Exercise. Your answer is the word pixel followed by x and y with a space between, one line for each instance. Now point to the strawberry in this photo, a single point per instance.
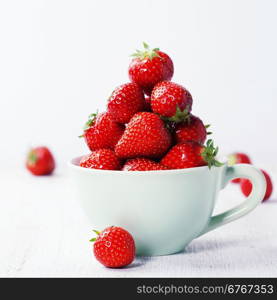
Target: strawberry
pixel 171 100
pixel 191 129
pixel 145 135
pixel 125 101
pixel 40 161
pixel 246 186
pixel 191 154
pixel 149 67
pixel 104 159
pixel 102 132
pixel 142 164
pixel 238 158
pixel 114 247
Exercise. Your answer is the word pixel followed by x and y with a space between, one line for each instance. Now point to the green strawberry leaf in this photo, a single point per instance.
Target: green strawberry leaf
pixel 90 121
pixel 209 154
pixel 146 52
pixel 94 239
pixel 32 157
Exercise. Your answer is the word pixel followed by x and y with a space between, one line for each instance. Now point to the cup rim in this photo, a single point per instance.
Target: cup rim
pixel 72 164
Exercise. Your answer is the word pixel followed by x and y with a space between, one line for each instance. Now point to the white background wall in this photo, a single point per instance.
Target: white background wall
pixel 61 59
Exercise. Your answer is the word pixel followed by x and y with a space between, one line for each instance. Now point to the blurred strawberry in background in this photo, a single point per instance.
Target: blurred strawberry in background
pixel 40 161
pixel 246 186
pixel 238 158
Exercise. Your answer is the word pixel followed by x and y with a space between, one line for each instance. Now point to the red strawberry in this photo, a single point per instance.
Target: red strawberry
pixel 114 247
pixel 125 101
pixel 238 158
pixel 40 161
pixel 171 100
pixel 149 67
pixel 104 159
pixel 142 164
pixel 191 129
pixel 102 132
pixel 145 135
pixel 246 186
pixel 191 154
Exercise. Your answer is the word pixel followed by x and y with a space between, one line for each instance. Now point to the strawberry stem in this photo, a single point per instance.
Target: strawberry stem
pixel 146 52
pixel 231 160
pixel 90 121
pixel 209 154
pixel 179 116
pixel 32 157
pixel 94 239
pixel 208 126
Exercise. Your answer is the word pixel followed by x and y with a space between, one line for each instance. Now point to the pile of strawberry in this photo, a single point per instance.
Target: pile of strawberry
pixel 148 124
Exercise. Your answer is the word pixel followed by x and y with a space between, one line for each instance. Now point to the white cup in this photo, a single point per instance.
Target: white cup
pixel 163 210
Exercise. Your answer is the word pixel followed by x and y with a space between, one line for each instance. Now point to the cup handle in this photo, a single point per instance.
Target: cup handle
pixel 256 196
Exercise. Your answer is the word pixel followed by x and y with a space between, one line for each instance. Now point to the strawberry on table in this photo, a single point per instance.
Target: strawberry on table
pixel 114 247
pixel 101 131
pixel 192 129
pixel 104 159
pixel 246 186
pixel 125 101
pixel 238 158
pixel 149 67
pixel 145 136
pixel 40 161
pixel 190 155
pixel 171 100
pixel 142 164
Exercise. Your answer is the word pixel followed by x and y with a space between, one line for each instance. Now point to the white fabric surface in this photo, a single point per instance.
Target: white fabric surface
pixel 45 233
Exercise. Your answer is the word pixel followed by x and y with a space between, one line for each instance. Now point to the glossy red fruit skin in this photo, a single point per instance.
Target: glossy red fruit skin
pixel 192 129
pixel 142 164
pixel 114 247
pixel 184 155
pixel 246 186
pixel 145 136
pixel 147 72
pixel 125 101
pixel 239 158
pixel 104 159
pixel 167 95
pixel 103 133
pixel 40 161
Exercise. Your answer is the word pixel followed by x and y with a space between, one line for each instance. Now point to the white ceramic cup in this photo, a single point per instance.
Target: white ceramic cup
pixel 163 210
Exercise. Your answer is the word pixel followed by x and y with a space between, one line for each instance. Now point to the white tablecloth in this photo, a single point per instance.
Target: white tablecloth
pixel 45 233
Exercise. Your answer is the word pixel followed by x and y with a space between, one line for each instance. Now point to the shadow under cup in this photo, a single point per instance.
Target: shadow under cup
pixel 163 210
